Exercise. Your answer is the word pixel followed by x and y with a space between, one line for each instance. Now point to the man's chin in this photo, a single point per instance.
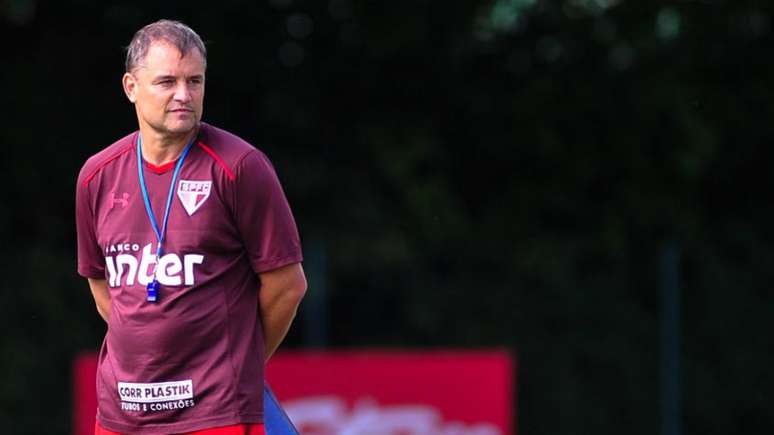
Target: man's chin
pixel 178 129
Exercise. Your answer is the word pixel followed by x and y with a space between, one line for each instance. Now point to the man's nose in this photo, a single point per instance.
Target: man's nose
pixel 182 93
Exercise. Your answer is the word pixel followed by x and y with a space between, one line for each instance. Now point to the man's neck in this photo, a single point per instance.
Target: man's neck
pixel 158 148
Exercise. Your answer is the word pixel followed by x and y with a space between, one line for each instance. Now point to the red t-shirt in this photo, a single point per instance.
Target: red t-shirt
pixel 193 359
pixel 238 429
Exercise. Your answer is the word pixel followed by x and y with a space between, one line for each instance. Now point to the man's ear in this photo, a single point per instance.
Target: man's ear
pixel 130 87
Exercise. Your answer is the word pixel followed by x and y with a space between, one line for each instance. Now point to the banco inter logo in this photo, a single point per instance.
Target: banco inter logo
pixel 125 268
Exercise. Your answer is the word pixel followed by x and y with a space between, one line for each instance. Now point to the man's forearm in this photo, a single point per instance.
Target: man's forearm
pixel 280 295
pixel 101 297
pixel 276 321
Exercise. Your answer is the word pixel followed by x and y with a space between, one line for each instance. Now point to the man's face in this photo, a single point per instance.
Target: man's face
pixel 167 90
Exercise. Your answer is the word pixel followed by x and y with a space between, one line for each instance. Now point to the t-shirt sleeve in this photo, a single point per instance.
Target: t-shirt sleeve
pixel 91 262
pixel 263 215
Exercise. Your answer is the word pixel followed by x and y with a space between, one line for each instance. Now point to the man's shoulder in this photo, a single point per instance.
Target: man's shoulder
pixel 228 145
pixel 225 147
pixel 106 156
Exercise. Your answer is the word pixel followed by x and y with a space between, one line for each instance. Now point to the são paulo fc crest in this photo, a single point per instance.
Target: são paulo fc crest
pixel 193 194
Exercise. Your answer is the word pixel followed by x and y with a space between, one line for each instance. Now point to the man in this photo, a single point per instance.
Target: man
pixel 191 253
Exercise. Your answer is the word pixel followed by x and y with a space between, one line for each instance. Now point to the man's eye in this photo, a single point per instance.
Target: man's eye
pixel 166 82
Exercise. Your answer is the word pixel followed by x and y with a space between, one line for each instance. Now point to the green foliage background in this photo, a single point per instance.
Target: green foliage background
pixel 481 174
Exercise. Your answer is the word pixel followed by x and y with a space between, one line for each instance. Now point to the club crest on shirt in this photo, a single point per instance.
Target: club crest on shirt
pixel 192 194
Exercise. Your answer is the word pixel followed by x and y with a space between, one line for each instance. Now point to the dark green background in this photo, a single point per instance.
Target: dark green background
pixel 479 174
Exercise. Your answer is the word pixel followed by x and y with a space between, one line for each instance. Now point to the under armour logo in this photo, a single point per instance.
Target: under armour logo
pixel 123 200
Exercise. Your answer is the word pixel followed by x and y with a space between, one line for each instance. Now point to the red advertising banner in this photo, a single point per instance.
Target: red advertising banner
pixel 84 394
pixel 373 392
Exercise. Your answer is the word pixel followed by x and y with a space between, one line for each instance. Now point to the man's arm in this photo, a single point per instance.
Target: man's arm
pixel 101 297
pixel 280 294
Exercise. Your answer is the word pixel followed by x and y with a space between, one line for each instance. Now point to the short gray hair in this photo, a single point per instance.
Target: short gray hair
pixel 173 32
